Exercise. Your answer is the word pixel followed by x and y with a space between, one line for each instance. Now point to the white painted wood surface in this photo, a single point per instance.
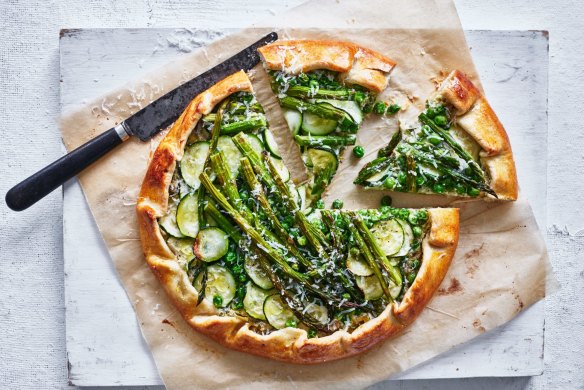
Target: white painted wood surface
pixel 104 344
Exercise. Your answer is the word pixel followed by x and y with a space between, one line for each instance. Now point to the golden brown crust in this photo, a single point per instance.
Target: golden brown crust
pixel 357 65
pixel 475 116
pixel 290 344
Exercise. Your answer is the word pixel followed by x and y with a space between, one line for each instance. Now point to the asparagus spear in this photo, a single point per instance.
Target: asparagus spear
pixel 259 193
pixel 241 142
pixel 458 149
pixel 213 145
pixel 282 189
pixel 223 222
pixel 318 93
pixel 374 247
pixel 244 125
pixel 229 185
pixel 368 257
pixel 325 140
pixel 388 150
pixel 345 121
pixel 411 173
pixel 371 168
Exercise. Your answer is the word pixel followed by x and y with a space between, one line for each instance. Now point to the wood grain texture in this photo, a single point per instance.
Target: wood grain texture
pixel 105 346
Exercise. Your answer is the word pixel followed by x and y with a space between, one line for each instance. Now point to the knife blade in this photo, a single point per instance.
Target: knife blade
pixel 144 125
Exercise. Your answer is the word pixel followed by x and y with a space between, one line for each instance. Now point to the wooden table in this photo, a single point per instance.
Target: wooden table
pixel 104 344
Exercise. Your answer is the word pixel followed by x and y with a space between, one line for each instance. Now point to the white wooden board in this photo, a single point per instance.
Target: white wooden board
pixel 104 343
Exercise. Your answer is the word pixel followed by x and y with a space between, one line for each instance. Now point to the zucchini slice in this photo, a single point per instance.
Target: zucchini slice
pixel 231 153
pixel 211 244
pixel 408 238
pixel 325 164
pixel 316 125
pixel 253 303
pixel 390 236
pixel 349 106
pixel 370 286
pixel 219 282
pixel 187 215
pixel 281 168
pixel 257 273
pixel 378 178
pixel 168 222
pixel 277 313
pixel 191 165
pixel 256 143
pixel 357 265
pixel 182 248
pixel 294 120
pixel 317 312
pixel 271 144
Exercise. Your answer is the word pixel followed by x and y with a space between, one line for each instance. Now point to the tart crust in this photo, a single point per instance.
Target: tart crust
pixel 290 344
pixel 357 65
pixel 475 116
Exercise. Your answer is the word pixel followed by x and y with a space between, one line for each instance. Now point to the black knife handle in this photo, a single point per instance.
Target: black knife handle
pixel 31 190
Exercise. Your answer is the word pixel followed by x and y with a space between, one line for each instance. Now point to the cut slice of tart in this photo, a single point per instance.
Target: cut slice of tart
pixel 222 229
pixel 325 89
pixel 457 148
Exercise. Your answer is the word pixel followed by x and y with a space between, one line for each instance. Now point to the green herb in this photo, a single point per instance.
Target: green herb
pixel 218 301
pixel 379 108
pixel 291 324
pixel 393 109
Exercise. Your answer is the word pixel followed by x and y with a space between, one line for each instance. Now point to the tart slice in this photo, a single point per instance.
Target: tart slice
pixel 325 89
pixel 457 148
pixel 222 228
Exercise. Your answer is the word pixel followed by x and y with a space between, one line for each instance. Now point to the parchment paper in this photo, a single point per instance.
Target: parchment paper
pixel 501 262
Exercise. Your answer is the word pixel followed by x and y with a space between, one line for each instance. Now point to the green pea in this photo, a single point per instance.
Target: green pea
pixel 337 204
pixel 243 195
pixel 291 323
pixel 394 109
pixel 237 269
pixel 411 277
pixel 386 200
pixel 401 178
pixel 230 257
pixel 242 278
pixel 403 214
pixel 434 139
pixel 430 113
pixel 474 191
pixel 359 97
pixel 413 218
pixel 358 151
pixel 346 296
pixel 420 180
pixel 285 225
pixel 218 301
pixel 460 189
pixel 379 108
pixel 238 305
pixel 301 241
pixel 319 204
pixel 415 264
pixel 295 267
pixel 417 231
pixel 422 216
pixel 440 120
pixel 313 84
pixel 367 108
pixel 438 188
pixel 311 333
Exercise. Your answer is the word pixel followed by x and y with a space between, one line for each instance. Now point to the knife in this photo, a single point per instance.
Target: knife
pixel 144 124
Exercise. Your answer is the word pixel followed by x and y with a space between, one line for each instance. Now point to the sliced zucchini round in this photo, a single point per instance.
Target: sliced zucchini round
pixel 191 165
pixel 378 177
pixel 168 222
pixel 219 282
pixel 408 238
pixel 370 286
pixel 257 273
pixel 253 303
pixel 324 162
pixel 316 125
pixel 211 244
pixel 277 313
pixel 255 143
pixel 317 312
pixel 294 120
pixel 389 235
pixel 187 215
pixel 271 144
pixel 182 248
pixel 349 106
pixel 394 289
pixel 231 153
pixel 281 168
pixel 357 265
